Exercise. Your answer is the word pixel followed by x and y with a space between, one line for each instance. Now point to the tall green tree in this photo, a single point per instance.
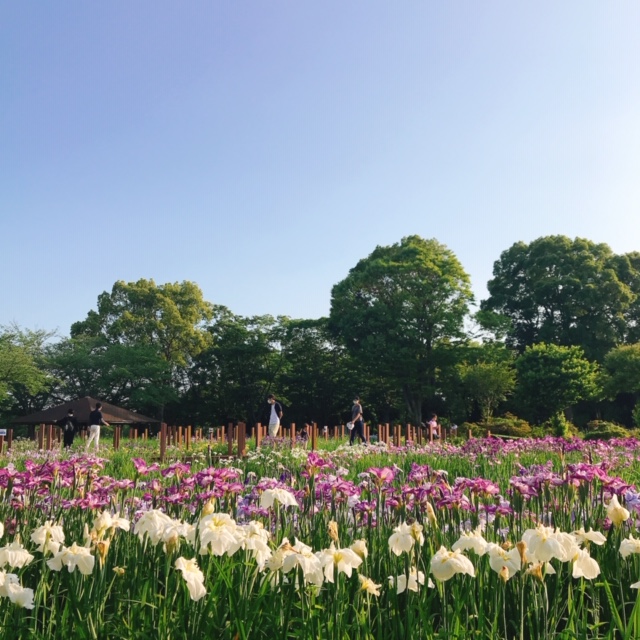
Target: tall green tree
pixel 552 378
pixel 622 370
pixel 487 384
pixel 171 319
pixel 396 307
pixel 318 377
pixel 562 291
pixel 232 377
pixel 23 380
pixel 128 375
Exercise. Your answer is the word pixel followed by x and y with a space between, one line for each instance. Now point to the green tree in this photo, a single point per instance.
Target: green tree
pixel 487 384
pixel 128 375
pixel 622 370
pixel 22 376
pixel 232 377
pixel 171 319
pixel 562 291
pixel 396 307
pixel 552 378
pixel 318 377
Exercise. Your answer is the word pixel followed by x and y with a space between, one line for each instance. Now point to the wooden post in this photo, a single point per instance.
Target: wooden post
pixel 367 432
pixel 314 436
pixel 258 435
pixel 41 437
pixel 293 433
pixel 145 434
pixel 342 431
pixel 1 445
pixel 188 437
pixel 48 434
pixel 396 435
pixel 163 441
pixel 9 438
pixel 115 438
pixel 242 434
pixel 230 438
pixel 335 432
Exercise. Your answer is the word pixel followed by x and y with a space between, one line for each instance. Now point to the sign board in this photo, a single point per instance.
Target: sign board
pixel 3 432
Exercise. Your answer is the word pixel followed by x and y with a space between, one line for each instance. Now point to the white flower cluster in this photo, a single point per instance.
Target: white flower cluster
pixel 536 549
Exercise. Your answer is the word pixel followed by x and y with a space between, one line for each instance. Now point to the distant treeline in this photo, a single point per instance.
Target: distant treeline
pixel 558 337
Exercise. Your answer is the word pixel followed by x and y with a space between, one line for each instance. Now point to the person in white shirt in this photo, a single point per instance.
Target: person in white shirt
pixel 275 416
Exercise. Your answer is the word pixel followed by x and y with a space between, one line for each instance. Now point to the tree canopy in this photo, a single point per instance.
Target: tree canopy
pixel 396 307
pixel 563 291
pixel 553 377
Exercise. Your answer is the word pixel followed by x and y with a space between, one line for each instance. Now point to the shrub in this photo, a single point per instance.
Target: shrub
pixel 508 425
pixel 560 427
pixel 603 430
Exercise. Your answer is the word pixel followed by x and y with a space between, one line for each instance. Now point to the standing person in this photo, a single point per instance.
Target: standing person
pixel 357 420
pixel 275 416
pixel 69 426
pixel 95 422
pixel 434 427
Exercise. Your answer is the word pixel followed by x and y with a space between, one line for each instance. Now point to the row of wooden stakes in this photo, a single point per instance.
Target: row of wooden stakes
pixel 235 435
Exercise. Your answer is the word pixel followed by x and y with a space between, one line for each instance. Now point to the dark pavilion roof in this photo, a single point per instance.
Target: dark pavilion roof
pixel 81 409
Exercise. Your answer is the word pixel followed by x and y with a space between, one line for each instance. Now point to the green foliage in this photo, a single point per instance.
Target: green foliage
pixel 507 425
pixel 551 378
pixel 396 307
pixel 636 416
pixel 563 291
pixel 130 375
pixel 487 384
pixel 602 430
pixel 20 373
pixel 559 426
pixel 168 317
pixel 622 370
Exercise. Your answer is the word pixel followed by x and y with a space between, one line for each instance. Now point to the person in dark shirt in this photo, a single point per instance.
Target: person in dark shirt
pixel 357 421
pixel 95 422
pixel 69 426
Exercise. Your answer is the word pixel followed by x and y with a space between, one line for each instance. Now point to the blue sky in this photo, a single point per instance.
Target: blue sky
pixel 260 149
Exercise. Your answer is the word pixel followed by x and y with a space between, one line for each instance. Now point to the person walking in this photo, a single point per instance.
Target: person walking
pixel 275 416
pixel 357 421
pixel 95 422
pixel 69 426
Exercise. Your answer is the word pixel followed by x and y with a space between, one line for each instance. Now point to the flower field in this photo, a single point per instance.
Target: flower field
pixel 481 539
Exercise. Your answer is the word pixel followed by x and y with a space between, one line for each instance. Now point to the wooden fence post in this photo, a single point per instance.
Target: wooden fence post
pixel 258 435
pixel 163 441
pixel 293 433
pixel 242 434
pixel 314 436
pixel 41 437
pixel 230 438
pixel 9 438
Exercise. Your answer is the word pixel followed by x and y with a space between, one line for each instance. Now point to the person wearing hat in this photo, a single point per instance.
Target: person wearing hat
pixel 357 421
pixel 275 416
pixel 69 426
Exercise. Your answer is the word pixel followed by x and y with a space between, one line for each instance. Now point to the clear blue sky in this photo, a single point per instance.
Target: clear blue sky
pixel 261 149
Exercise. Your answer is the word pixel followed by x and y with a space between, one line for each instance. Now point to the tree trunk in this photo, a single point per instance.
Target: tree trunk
pixel 414 405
